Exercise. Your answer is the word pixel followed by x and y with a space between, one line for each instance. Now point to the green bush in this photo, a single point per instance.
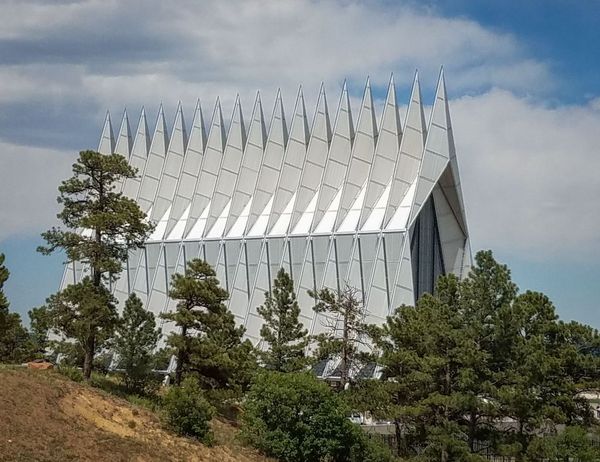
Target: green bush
pixel 71 372
pixel 369 449
pixel 187 412
pixel 295 417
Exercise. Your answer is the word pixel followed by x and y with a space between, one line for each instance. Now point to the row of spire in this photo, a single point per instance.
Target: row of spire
pixel 250 181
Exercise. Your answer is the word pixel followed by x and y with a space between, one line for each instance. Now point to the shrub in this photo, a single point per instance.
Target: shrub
pixel 369 449
pixel 71 372
pixel 295 417
pixel 187 412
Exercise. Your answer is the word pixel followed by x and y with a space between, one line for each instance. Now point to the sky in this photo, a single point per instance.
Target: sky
pixel 523 80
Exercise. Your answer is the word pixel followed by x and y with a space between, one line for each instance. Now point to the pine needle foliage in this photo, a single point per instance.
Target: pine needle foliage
pixel 208 343
pixel 282 332
pixel 100 226
pixel 135 340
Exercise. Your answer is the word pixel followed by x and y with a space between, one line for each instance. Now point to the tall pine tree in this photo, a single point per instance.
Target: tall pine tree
pixel 282 331
pixel 101 226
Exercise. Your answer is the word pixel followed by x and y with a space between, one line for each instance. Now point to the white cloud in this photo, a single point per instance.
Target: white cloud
pixel 530 174
pixel 529 171
pixel 29 178
pixel 129 51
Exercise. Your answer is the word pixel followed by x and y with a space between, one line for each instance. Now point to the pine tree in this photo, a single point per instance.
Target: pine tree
pixel 39 329
pixel 101 226
pixel 13 336
pixel 347 334
pixel 282 331
pixel 427 357
pixel 135 340
pixel 86 314
pixel 475 353
pixel 208 344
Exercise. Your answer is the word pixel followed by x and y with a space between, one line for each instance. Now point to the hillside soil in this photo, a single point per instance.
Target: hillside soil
pixel 46 417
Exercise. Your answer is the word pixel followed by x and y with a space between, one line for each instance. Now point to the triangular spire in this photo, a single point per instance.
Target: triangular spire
pixel 316 157
pixel 124 142
pixel 236 137
pixel 197 139
pixel 450 179
pixel 206 181
pixel 294 156
pixel 321 125
pixel 107 139
pixel 155 163
pixel 363 150
pixel 252 160
pixel 409 158
pixel 271 165
pixel 141 143
pixel 161 131
pixel 192 163
pixel 278 131
pixel 436 155
pixel 344 125
pixel 230 168
pixel 217 136
pixel 386 153
pixel 179 125
pixel 299 129
pixel 257 134
pixel 139 155
pixel 338 157
pixel 171 172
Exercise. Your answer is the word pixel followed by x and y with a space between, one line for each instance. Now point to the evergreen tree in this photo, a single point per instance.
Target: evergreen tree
pixel 427 359
pixel 475 353
pixel 282 331
pixel 135 340
pixel 13 336
pixel 540 385
pixel 101 226
pixel 39 330
pixel 86 314
pixel 347 334
pixel 208 342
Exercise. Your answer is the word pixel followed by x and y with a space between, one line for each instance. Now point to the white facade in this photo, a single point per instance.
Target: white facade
pixel 335 201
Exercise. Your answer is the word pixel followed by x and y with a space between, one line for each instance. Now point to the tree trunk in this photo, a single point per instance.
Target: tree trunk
pixel 472 430
pixel 400 445
pixel 444 455
pixel 521 456
pixel 88 360
pixel 181 357
pixel 344 368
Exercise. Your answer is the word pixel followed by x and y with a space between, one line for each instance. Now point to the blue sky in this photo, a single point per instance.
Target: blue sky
pixel 523 77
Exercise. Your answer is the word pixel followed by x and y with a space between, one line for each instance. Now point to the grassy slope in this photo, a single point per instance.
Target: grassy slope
pixel 45 417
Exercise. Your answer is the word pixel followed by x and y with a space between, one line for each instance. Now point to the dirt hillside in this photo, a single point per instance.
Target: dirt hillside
pixel 44 417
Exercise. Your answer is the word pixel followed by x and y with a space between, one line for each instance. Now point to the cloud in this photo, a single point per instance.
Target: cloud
pixel 29 178
pixel 528 170
pixel 111 51
pixel 530 174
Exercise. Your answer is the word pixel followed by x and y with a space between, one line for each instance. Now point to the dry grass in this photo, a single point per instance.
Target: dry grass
pixel 44 417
